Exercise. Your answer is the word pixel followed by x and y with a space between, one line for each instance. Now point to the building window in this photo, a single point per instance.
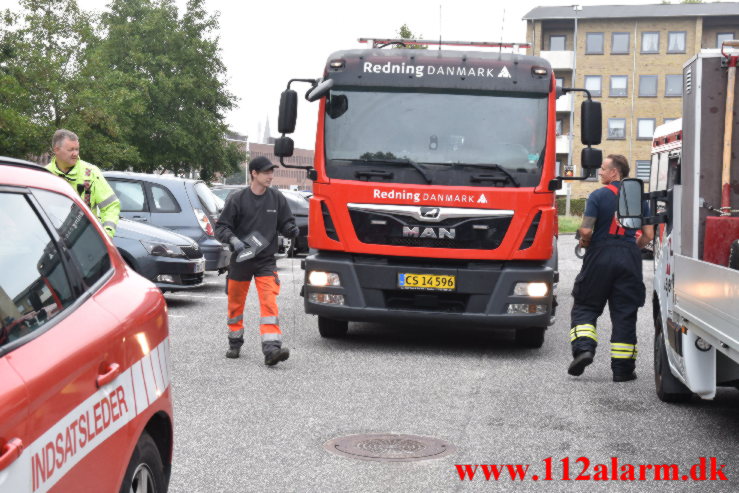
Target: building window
pixel 721 37
pixel 650 42
pixel 558 129
pixel 676 42
pixel 645 128
pixel 560 81
pixel 673 86
pixel 592 84
pixel 619 85
pixel 668 120
pixel 594 44
pixel 557 42
pixel 616 128
pixel 647 86
pixel 642 169
pixel 620 43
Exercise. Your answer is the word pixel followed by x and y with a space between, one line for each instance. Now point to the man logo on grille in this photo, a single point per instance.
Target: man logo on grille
pixel 430 212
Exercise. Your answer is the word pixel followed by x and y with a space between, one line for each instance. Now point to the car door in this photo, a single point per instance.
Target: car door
pixel 13 419
pixel 73 349
pixel 166 211
pixel 133 198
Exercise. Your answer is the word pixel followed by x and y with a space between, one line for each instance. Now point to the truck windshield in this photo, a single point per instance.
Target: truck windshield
pixel 457 139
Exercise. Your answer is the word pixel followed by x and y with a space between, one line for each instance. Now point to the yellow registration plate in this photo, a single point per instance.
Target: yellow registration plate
pixel 427 281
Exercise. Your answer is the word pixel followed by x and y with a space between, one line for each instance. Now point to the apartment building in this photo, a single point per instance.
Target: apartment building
pixel 630 58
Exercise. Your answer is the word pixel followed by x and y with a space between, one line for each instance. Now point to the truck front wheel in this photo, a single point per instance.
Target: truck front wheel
pixel 332 329
pixel 531 337
pixel 669 388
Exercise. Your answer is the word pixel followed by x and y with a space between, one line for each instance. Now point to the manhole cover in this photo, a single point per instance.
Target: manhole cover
pixel 389 447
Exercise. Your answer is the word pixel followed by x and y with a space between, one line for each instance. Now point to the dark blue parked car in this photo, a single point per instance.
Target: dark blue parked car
pixel 169 260
pixel 187 207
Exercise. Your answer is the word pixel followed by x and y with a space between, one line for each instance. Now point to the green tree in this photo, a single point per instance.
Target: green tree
pixel 174 64
pixel 43 49
pixel 405 33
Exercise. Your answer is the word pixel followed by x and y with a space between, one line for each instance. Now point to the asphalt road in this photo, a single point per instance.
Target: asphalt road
pixel 243 427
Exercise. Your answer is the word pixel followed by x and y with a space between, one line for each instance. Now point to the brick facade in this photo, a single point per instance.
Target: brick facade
pixel 286 177
pixel 628 109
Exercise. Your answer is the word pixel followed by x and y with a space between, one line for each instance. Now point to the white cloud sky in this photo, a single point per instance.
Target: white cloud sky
pixel 266 43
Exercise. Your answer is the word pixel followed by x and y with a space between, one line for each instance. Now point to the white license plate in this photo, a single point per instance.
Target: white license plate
pixel 200 266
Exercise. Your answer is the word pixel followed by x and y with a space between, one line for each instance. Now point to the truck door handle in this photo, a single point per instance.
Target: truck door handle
pixel 110 373
pixel 10 451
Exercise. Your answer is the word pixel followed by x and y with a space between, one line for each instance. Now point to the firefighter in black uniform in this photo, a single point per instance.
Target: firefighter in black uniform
pixel 249 222
pixel 611 272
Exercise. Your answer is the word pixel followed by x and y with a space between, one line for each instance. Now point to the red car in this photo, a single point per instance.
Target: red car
pixel 85 401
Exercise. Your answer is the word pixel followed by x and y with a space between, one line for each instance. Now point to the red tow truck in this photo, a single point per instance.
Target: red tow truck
pixel 434 188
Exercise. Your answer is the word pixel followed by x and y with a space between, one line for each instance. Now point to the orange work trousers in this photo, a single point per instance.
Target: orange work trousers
pixel 268 287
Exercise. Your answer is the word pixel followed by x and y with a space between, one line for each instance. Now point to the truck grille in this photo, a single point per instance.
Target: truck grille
pixel 386 228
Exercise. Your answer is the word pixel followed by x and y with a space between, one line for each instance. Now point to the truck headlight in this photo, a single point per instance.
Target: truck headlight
pixel 162 249
pixel 320 278
pixel 533 289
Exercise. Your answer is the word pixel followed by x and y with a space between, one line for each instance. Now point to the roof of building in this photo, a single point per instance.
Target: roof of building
pixel 635 11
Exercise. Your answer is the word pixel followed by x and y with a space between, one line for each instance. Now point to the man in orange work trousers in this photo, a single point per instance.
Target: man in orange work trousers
pixel 249 223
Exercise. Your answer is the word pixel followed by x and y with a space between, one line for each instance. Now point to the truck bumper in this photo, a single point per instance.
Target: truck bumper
pixel 484 295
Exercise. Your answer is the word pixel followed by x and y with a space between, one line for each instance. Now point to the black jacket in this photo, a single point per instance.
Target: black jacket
pixel 246 212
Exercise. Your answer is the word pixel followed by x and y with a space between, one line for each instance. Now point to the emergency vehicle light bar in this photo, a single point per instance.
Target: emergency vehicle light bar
pixel 484 44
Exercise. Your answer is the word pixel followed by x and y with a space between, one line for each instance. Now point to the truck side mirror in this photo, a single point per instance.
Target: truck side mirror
pixel 288 112
pixel 591 118
pixel 284 147
pixel 630 211
pixel 591 158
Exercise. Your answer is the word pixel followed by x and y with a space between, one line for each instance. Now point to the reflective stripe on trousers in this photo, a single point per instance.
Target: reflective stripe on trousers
pixel 583 330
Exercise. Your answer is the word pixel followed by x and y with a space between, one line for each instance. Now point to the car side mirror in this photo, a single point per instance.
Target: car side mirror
pixel 630 203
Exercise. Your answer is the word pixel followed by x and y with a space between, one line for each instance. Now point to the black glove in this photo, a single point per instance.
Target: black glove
pixel 237 245
pixel 292 231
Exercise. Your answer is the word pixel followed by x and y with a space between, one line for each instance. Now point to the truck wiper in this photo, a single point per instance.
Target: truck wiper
pixel 414 164
pixel 491 166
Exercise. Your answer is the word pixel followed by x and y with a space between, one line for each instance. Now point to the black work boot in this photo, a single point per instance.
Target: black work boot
pixel 274 352
pixel 235 341
pixel 276 355
pixel 624 377
pixel 579 362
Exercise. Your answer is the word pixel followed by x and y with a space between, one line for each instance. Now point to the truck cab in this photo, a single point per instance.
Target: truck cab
pixel 434 182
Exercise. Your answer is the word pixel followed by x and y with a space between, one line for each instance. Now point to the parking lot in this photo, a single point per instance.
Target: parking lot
pixel 240 426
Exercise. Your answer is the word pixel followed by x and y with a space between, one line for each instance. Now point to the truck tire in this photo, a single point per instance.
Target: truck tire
pixel 145 471
pixel 332 329
pixel 669 388
pixel 531 337
pixel 734 255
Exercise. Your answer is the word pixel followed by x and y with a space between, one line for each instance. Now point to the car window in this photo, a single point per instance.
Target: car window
pixel 131 195
pixel 78 234
pixel 223 193
pixel 164 201
pixel 34 286
pixel 298 204
pixel 211 203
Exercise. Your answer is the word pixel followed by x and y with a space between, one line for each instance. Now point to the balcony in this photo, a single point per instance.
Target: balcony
pixel 560 60
pixel 563 144
pixel 564 103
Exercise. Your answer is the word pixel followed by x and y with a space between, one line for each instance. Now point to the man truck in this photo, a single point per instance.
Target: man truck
pixel 434 186
pixel 695 292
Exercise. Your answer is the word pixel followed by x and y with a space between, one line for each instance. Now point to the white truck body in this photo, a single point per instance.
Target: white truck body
pixel 696 303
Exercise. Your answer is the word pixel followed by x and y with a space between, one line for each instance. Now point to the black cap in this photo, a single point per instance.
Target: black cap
pixel 261 163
